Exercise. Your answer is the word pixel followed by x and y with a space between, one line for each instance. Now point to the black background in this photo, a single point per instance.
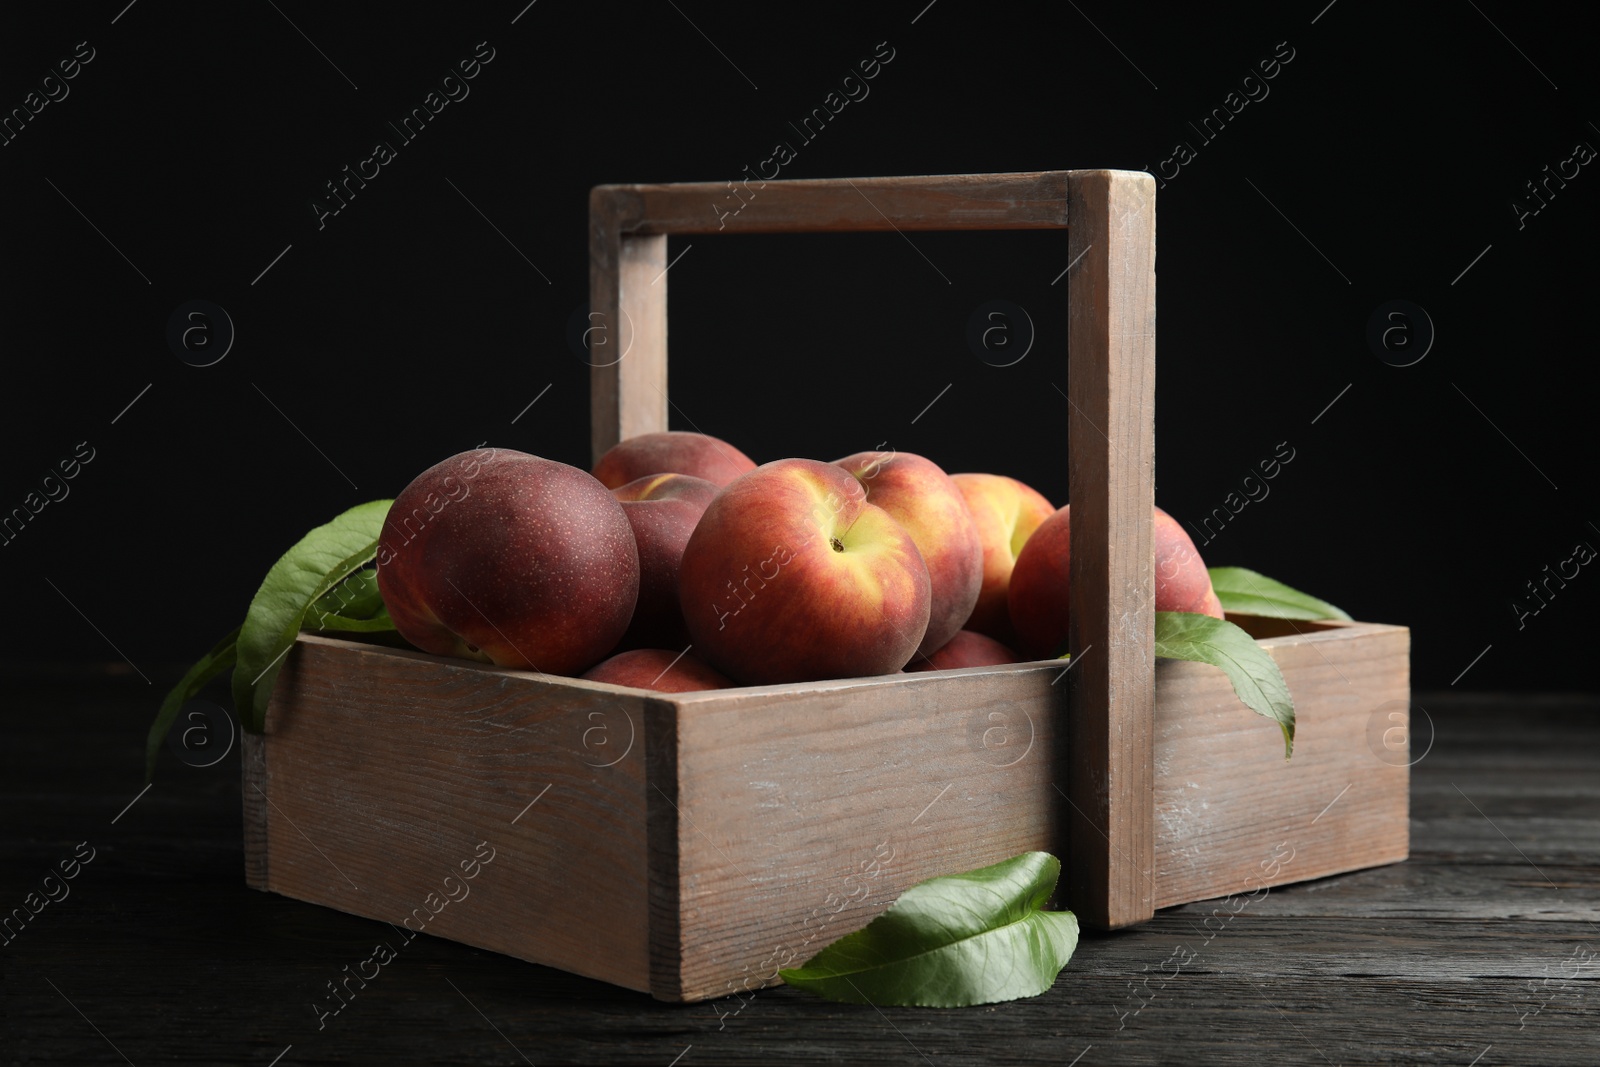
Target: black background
pixel 415 324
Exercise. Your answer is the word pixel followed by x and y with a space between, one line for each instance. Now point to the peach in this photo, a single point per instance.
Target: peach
pixel 1006 513
pixel 1182 581
pixel 673 452
pixel 793 576
pixel 966 649
pixel 923 499
pixel 658 669
pixel 663 510
pixel 500 556
pixel 1039 598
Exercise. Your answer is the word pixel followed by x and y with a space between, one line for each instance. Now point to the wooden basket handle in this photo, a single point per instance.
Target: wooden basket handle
pixel 1110 434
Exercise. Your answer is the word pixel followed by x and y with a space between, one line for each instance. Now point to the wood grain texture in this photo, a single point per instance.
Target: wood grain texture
pixel 385 769
pixel 797 813
pixel 1232 815
pixel 1260 626
pixel 1110 452
pixel 664 850
pixel 1436 884
pixel 1029 201
pixel 627 342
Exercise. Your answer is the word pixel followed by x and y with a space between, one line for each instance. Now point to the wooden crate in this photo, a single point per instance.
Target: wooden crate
pixel 690 845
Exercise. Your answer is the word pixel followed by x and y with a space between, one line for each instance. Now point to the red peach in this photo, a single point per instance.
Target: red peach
pixel 1039 599
pixel 660 670
pixel 923 499
pixel 663 510
pixel 1182 581
pixel 501 556
pixel 966 649
pixel 792 576
pixel 673 452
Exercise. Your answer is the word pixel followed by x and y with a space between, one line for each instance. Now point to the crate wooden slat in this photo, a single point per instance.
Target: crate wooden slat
pixel 1023 201
pixel 1110 463
pixel 381 769
pixel 784 817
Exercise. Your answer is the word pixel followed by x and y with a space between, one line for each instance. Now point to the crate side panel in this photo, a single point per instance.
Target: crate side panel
pixel 489 807
pixel 1233 816
pixel 802 816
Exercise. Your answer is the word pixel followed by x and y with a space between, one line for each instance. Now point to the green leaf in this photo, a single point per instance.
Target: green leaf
pixel 337 623
pixel 974 938
pixel 356 597
pixel 354 605
pixel 213 663
pixel 1256 678
pixel 1244 592
pixel 319 561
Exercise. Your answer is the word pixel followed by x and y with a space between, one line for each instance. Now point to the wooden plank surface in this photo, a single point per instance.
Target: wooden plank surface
pixel 1231 814
pixel 1465 951
pixel 383 773
pixel 792 815
pixel 1028 200
pixel 1110 453
pixel 627 329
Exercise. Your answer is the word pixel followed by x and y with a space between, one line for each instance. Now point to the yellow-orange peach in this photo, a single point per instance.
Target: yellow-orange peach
pixel 1006 512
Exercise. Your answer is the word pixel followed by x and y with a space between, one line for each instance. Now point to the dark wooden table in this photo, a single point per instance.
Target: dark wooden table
pixel 1483 949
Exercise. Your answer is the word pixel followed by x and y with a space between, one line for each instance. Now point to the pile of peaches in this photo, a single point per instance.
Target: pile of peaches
pixel 679 565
